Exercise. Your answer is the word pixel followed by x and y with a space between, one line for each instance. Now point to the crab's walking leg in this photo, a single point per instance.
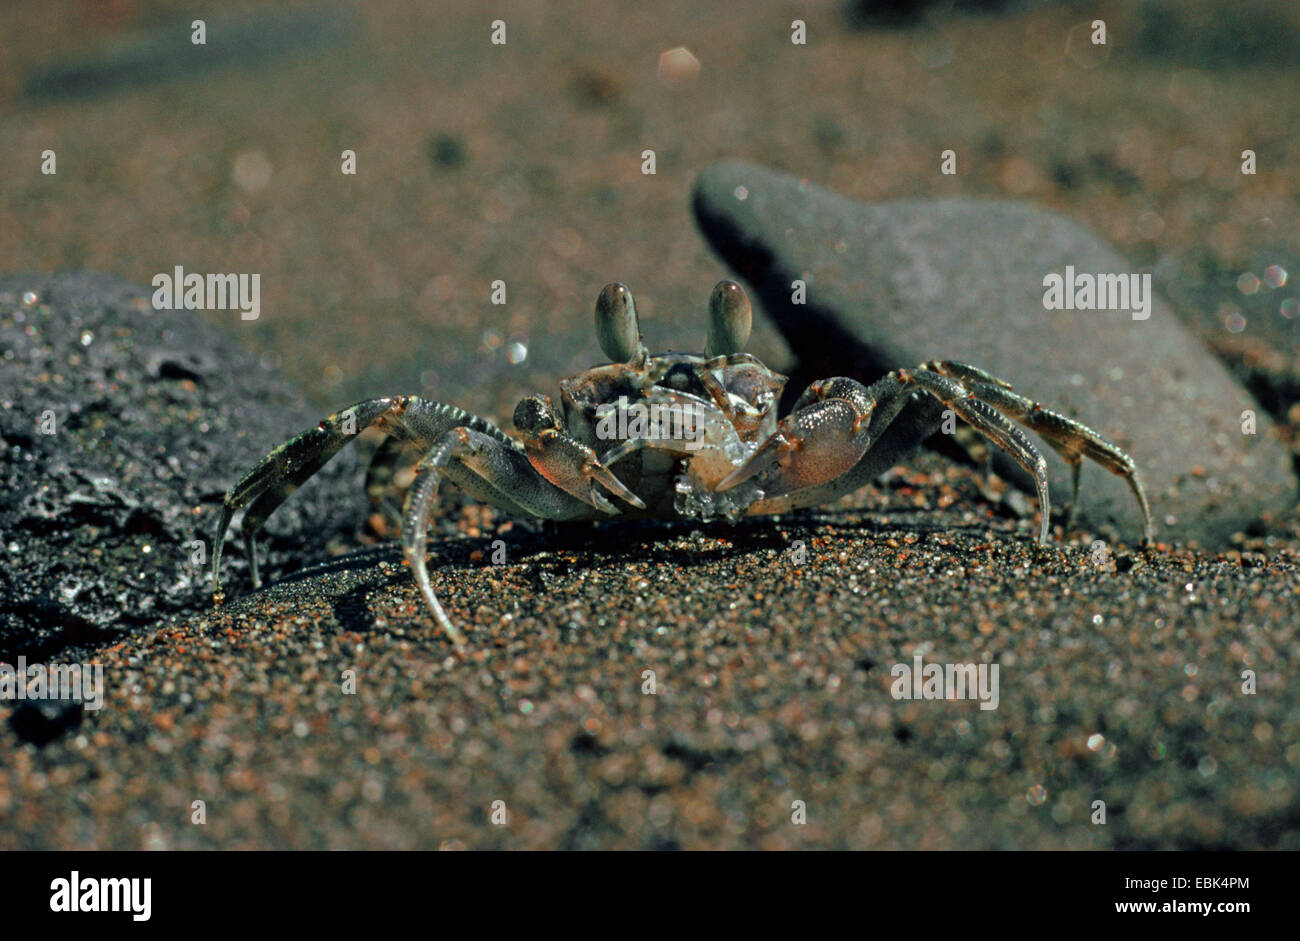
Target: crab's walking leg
pixel 990 406
pixel 278 474
pixel 476 462
pixel 472 452
pixel 282 471
pixel 415 537
pixel 1071 439
pixel 819 456
pixel 995 426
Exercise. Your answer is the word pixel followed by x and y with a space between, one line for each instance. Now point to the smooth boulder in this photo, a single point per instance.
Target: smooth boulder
pixel 891 285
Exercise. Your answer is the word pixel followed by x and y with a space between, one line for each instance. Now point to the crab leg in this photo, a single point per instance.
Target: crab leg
pixel 995 426
pixel 470 451
pixel 498 469
pixel 983 401
pixel 1072 440
pixel 287 467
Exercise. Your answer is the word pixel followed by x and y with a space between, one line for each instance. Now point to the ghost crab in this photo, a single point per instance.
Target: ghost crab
pixel 730 457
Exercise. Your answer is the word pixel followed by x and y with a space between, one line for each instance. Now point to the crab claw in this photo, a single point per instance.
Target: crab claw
pixel 812 446
pixel 574 468
pixel 768 453
pixel 569 464
pixel 599 472
pixel 616 324
pixel 730 320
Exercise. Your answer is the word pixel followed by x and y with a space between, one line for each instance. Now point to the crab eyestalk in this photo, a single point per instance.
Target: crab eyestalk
pixel 616 324
pixel 730 319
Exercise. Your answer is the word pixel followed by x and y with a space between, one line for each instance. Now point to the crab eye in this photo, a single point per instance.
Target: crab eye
pixel 730 320
pixel 534 414
pixel 616 323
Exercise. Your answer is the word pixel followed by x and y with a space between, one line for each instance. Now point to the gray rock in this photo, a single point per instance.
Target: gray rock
pixel 892 285
pixel 1217 34
pixel 154 415
pixel 166 52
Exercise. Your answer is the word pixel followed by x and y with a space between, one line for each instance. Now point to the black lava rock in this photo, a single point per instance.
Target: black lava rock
pixel 121 428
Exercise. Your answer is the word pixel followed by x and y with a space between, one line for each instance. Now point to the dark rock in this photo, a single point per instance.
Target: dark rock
pixel 1219 34
pixel 154 415
pixel 166 52
pixel 446 152
pixel 42 721
pixel 865 14
pixel 892 285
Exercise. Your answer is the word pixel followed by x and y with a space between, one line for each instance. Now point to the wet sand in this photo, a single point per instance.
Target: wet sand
pixel 1120 680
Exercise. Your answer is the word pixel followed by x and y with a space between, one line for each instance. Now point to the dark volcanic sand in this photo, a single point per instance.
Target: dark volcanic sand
pixel 1118 682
